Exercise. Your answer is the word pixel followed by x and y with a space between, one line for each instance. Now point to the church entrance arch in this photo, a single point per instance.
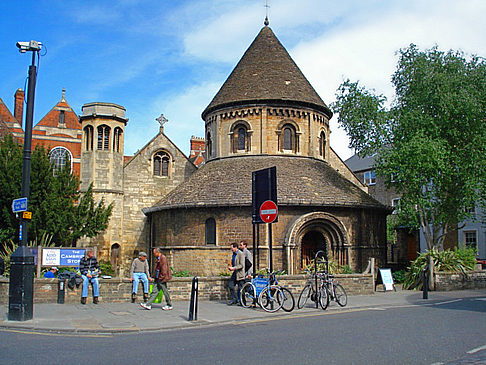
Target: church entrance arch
pixel 313 232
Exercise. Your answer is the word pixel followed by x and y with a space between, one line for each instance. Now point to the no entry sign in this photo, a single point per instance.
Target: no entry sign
pixel 268 211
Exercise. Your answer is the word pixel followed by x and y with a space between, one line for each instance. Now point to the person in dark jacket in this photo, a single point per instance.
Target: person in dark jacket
pixel 162 276
pixel 89 268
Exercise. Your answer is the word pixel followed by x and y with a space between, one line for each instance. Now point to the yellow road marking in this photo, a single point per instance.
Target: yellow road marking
pixel 53 334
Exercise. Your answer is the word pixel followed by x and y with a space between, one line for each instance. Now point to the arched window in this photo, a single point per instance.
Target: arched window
pixel 59 157
pixel 289 141
pixel 161 164
pixel 116 139
pixel 210 231
pixel 103 137
pixel 88 138
pixel 240 137
pixel 322 145
pixel 209 144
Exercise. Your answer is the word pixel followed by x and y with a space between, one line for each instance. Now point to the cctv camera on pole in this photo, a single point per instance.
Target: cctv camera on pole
pixel 21 286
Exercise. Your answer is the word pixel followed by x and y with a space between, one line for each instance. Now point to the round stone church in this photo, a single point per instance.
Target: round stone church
pixel 265 115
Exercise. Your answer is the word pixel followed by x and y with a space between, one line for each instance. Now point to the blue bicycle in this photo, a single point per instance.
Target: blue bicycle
pixel 267 292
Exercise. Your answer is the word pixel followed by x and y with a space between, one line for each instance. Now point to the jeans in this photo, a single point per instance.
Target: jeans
pixel 96 286
pixel 137 276
pixel 155 291
pixel 235 294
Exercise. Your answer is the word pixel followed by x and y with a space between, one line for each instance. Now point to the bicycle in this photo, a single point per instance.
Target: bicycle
pixel 335 291
pixel 309 291
pixel 269 295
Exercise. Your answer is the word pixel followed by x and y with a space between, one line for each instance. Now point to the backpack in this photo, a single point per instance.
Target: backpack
pixel 248 264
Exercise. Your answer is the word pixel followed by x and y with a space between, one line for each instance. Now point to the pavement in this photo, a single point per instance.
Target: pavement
pixel 113 318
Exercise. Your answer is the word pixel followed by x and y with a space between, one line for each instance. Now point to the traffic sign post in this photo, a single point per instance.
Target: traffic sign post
pixel 268 211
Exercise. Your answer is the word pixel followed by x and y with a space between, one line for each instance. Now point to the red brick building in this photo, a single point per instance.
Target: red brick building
pixel 59 131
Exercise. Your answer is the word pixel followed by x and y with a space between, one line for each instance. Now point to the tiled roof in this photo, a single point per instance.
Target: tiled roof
pixel 356 163
pixel 266 73
pixel 301 181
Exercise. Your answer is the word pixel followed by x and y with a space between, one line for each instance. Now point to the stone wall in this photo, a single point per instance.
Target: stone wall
pixel 210 288
pixel 446 281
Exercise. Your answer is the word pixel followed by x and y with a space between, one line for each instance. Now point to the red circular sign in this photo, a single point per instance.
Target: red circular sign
pixel 268 211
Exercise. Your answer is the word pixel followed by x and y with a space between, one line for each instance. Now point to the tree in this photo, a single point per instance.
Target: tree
pixel 59 209
pixel 430 143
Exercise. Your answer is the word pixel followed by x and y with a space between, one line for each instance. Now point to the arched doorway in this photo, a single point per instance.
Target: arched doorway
pixel 313 232
pixel 311 242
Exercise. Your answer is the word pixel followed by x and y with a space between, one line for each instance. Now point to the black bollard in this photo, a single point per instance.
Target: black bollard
pixel 425 294
pixel 193 303
pixel 61 291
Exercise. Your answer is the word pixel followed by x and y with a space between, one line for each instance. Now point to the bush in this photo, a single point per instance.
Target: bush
pixel 106 268
pixel 334 267
pixel 180 274
pixel 9 247
pixel 458 260
pixel 399 276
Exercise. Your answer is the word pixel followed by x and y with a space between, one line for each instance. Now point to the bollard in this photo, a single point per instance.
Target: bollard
pixel 193 303
pixel 425 294
pixel 61 286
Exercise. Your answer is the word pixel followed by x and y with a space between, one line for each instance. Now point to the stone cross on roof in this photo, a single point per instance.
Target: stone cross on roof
pixel 162 120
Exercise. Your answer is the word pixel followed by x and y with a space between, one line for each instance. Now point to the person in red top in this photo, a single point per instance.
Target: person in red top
pixel 162 276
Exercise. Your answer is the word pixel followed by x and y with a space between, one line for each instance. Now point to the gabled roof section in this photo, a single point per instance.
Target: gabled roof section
pixel 266 74
pixel 53 118
pixel 356 163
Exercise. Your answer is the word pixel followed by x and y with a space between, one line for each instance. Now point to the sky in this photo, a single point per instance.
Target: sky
pixel 166 57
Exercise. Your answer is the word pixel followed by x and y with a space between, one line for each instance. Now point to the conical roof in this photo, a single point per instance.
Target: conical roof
pixel 267 74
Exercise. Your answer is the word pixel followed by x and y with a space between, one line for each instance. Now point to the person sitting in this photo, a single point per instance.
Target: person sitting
pixel 51 273
pixel 140 271
pixel 89 268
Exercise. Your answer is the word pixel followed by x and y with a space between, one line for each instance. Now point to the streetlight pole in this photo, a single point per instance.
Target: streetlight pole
pixel 21 284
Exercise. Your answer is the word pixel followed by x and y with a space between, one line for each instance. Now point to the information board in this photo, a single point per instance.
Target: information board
pixel 62 256
pixel 387 279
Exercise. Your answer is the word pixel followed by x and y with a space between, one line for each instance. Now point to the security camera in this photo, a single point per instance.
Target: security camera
pixel 29 46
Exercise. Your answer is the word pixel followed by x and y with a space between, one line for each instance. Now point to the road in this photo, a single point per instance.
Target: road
pixel 451 332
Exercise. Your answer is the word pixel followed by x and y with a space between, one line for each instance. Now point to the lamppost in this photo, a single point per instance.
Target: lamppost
pixel 21 285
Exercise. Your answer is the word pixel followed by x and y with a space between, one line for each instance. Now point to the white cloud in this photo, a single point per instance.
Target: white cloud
pixel 183 110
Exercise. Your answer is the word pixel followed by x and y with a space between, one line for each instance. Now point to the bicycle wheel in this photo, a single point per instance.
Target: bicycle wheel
pixel 268 298
pixel 247 295
pixel 304 295
pixel 323 297
pixel 341 296
pixel 288 301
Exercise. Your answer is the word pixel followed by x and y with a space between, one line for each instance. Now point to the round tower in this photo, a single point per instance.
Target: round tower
pixel 267 106
pixel 103 126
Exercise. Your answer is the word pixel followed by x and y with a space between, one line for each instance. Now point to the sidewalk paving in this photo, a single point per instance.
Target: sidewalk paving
pixel 128 317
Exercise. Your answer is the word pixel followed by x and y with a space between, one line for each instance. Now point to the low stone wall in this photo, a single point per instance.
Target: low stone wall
pixel 210 288
pixel 447 281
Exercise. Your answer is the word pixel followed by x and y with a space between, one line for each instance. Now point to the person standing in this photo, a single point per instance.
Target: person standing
pixel 237 268
pixel 89 268
pixel 162 276
pixel 140 271
pixel 248 256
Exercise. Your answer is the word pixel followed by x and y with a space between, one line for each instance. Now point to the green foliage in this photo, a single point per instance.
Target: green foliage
pixel 458 260
pixel 9 247
pixel 180 274
pixel 106 268
pixel 334 267
pixel 399 276
pixel 431 139
pixel 58 208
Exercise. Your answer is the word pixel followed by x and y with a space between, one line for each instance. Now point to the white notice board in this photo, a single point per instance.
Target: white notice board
pixel 387 279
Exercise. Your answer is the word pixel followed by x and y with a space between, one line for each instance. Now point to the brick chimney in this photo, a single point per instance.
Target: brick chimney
pixel 19 105
pixel 198 146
